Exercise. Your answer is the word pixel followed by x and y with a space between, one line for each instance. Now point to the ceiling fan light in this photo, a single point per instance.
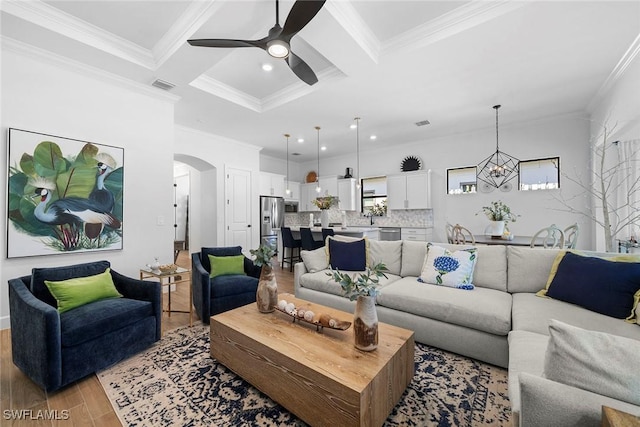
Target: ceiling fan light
pixel 278 48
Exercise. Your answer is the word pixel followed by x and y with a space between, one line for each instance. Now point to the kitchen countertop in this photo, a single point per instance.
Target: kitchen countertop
pixel 337 229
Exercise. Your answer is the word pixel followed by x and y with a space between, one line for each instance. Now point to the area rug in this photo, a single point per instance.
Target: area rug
pixel 177 383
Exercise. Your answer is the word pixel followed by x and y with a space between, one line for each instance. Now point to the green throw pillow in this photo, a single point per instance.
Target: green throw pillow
pixel 79 291
pixel 222 265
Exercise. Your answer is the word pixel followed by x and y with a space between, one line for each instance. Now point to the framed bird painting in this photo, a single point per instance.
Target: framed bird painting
pixel 64 195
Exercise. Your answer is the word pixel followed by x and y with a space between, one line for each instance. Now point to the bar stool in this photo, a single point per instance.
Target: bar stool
pixel 326 232
pixel 308 242
pixel 288 242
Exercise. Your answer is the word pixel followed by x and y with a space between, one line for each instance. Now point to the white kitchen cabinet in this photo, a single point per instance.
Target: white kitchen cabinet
pixel 294 188
pixel 347 194
pixel 409 190
pixel 307 195
pixel 416 234
pixel 271 184
pixel 329 185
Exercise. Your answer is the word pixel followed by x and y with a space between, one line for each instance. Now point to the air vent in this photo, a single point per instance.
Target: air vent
pixel 423 123
pixel 161 84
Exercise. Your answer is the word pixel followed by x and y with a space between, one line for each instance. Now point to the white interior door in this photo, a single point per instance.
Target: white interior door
pixel 238 208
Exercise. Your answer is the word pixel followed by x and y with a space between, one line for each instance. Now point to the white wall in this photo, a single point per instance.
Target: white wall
pixel 567 137
pixel 46 96
pixel 275 165
pixel 617 107
pixel 216 151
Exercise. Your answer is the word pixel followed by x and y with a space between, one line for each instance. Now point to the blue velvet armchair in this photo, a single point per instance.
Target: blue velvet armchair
pixel 222 293
pixel 55 349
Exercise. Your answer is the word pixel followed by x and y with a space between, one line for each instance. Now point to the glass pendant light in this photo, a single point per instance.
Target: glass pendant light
pixel 287 190
pixel 357 119
pixel 318 188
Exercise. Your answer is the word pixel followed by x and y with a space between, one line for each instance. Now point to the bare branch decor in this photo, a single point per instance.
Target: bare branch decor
pixel 604 184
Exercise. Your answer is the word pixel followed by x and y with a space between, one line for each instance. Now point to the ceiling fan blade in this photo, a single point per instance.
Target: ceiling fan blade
pixel 301 69
pixel 300 15
pixel 226 43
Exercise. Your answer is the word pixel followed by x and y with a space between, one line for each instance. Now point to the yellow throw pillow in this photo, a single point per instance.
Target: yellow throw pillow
pixel 79 291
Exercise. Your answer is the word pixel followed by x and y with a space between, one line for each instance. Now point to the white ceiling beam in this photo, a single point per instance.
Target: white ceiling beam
pixel 472 14
pixel 39 13
pixel 196 15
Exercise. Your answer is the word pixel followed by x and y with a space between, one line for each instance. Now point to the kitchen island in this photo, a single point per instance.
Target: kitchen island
pixel 366 231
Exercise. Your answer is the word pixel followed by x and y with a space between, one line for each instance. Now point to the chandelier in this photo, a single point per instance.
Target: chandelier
pixel 499 168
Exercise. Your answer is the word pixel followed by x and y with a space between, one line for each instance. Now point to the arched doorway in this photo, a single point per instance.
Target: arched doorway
pixel 197 179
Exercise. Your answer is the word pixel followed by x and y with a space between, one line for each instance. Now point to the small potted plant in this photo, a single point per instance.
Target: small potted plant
pixel 363 290
pixel 267 292
pixel 499 214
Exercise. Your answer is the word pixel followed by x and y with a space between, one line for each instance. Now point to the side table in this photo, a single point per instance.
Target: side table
pixel 178 277
pixel 615 418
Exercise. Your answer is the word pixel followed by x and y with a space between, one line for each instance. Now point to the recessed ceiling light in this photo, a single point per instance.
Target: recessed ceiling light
pixel 267 67
pixel 372 137
pixel 323 148
pixel 300 140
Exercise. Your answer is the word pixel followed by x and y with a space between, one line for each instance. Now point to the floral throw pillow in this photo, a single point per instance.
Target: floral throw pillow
pixel 446 268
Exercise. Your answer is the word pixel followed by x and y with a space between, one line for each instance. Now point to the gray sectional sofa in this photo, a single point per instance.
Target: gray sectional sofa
pixel 501 321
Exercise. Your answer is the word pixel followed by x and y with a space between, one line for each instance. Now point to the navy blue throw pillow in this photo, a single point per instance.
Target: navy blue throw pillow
pixel 348 256
pixel 606 287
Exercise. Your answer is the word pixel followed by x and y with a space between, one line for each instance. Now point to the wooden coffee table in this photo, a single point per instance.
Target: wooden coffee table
pixel 319 376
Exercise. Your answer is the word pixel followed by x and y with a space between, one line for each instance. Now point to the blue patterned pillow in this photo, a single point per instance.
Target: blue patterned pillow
pixel 446 268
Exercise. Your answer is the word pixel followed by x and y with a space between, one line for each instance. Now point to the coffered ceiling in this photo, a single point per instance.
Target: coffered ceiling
pixel 393 62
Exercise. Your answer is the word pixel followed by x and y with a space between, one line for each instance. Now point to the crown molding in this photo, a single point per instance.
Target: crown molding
pixel 188 23
pixel 616 74
pixel 45 16
pixel 460 19
pixel 59 61
pixel 224 91
pixel 345 14
pixel 300 89
pixel 260 105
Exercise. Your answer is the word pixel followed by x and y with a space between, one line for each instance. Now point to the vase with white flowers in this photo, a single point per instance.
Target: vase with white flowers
pixel 324 203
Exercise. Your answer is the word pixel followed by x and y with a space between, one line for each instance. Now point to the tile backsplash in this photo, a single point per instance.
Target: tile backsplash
pixel 394 218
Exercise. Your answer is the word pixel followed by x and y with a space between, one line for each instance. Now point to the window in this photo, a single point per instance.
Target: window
pixel 373 192
pixel 461 180
pixel 540 174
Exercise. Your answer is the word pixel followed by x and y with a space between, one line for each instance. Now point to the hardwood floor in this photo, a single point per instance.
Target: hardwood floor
pixel 84 402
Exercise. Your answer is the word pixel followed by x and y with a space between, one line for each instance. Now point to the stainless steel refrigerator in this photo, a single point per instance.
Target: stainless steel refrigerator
pixel 271 216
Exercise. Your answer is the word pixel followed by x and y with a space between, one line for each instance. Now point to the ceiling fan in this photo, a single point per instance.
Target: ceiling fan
pixel 278 42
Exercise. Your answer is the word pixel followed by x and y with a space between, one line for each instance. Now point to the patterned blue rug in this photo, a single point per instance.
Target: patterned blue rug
pixel 177 383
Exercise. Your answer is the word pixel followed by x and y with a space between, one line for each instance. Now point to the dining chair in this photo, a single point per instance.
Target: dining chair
pixel 449 232
pixel 288 242
pixel 308 242
pixel 461 235
pixel 571 236
pixel 552 237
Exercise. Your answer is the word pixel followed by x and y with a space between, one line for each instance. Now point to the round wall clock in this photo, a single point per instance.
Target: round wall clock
pixel 411 163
